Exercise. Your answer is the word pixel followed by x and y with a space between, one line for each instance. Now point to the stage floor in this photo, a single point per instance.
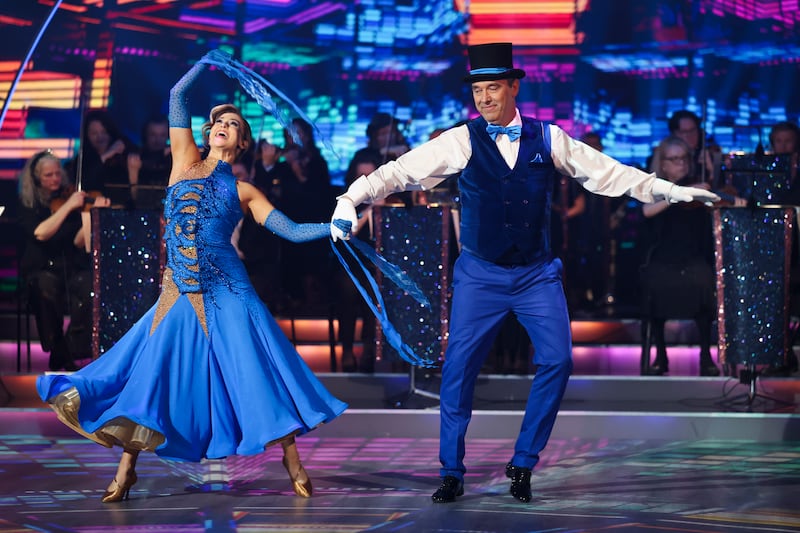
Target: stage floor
pixel 52 480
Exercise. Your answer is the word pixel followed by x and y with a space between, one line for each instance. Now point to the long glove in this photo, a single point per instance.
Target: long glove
pixel 283 226
pixel 677 193
pixel 358 193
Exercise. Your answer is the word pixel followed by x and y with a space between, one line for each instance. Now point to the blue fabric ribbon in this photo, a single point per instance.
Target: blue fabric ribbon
pixel 513 132
pixel 378 307
pixel 259 88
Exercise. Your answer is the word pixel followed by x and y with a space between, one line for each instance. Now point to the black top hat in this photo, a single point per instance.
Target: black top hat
pixel 492 61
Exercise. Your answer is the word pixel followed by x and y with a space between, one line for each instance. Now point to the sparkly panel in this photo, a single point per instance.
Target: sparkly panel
pixel 764 181
pixel 416 239
pixel 127 256
pixel 753 251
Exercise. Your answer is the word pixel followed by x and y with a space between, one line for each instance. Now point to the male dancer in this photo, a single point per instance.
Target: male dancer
pixel 507 165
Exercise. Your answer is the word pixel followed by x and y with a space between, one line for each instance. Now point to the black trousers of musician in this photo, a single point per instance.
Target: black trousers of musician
pixel 52 294
pixel 677 291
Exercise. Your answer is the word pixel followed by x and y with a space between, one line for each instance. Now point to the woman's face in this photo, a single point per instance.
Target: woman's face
pixel 49 174
pixel 674 163
pixel 98 136
pixel 226 131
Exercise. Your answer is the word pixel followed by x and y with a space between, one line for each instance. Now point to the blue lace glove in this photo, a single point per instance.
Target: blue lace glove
pixel 284 227
pixel 179 116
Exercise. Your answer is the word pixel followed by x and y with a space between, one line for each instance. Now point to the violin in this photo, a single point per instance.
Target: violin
pixel 58 201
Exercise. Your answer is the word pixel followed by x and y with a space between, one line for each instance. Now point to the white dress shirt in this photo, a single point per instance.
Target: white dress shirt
pixel 448 154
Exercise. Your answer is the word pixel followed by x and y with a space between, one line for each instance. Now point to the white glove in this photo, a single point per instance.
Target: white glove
pixel 346 211
pixel 676 193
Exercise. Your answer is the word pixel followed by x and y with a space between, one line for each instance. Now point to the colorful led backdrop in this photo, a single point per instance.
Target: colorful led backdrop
pixel 619 67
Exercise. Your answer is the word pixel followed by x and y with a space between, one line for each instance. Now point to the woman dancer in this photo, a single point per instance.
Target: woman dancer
pixel 206 372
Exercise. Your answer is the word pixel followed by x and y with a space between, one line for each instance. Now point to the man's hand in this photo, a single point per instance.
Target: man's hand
pixel 691 194
pixel 676 193
pixel 345 210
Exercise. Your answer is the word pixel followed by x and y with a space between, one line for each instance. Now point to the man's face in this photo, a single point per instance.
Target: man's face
pixel 784 142
pixel 496 100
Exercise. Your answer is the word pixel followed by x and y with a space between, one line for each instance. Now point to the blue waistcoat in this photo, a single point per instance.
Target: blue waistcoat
pixel 505 212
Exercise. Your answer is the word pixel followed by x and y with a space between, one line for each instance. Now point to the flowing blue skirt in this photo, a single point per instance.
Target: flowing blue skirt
pixel 192 395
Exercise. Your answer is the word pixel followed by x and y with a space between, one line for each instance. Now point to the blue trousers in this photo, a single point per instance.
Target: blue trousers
pixel 483 294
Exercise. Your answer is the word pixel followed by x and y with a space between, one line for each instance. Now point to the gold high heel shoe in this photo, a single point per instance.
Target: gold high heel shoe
pixel 301 488
pixel 121 492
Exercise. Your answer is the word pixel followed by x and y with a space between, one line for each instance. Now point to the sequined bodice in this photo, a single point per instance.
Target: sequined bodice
pixel 200 215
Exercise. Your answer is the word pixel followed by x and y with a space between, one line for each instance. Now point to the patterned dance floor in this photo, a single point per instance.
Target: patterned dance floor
pixel 53 481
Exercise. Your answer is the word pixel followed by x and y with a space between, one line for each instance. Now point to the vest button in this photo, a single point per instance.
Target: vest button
pixel 525 202
pixel 507 202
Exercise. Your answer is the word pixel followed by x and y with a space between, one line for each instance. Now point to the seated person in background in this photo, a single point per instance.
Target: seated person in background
pixel 270 173
pixel 784 139
pixel 385 142
pixel 306 197
pixel 55 265
pixel 706 155
pixel 259 250
pixel 568 238
pixel 104 159
pixel 148 170
pixel 349 303
pixel 678 279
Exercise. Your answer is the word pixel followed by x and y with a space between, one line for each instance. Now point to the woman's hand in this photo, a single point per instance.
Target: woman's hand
pixel 117 148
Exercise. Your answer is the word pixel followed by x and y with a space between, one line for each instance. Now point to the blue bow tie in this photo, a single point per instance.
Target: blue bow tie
pixel 513 132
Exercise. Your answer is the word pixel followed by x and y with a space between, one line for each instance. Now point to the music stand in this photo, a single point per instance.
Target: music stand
pixel 753 255
pixel 416 239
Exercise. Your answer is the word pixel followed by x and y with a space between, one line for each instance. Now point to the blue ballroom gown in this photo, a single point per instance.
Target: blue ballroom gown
pixel 206 372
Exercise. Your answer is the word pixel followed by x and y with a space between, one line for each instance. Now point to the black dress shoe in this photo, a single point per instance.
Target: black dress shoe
pixel 520 482
pixel 450 488
pixel 709 369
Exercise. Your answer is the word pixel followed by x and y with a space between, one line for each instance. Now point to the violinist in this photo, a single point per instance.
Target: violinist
pixel 678 279
pixel 54 264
